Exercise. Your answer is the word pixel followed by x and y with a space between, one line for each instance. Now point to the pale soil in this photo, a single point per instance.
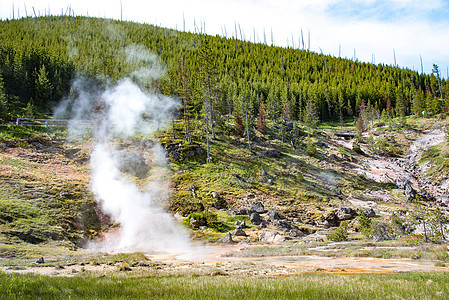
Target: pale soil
pixel 401 170
pixel 224 260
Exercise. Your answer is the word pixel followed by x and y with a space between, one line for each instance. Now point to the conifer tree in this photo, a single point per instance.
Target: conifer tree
pixel 239 129
pixel 44 87
pixel 261 119
pixel 3 103
pixel 184 91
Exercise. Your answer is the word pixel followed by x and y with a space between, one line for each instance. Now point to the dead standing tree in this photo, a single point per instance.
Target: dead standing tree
pixel 209 78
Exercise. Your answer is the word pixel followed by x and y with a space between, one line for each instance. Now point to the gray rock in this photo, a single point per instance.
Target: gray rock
pixel 197 223
pixel 40 261
pixel 283 225
pixel 226 239
pixel 270 181
pixel 134 163
pixel 239 232
pixel 275 215
pixel 242 225
pixel 330 220
pixel 345 213
pixel 258 207
pixel 255 218
pixel 271 237
pixel 267 236
pixel 245 211
pixel 296 233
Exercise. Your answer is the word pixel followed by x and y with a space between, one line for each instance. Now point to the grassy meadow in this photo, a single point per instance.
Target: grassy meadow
pixel 302 286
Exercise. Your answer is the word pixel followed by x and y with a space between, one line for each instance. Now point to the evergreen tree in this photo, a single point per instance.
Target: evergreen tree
pixel 239 129
pixel 184 92
pixel 44 87
pixel 3 102
pixel 261 119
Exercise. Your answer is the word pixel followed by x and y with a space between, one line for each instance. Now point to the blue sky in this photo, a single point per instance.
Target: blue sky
pixel 374 30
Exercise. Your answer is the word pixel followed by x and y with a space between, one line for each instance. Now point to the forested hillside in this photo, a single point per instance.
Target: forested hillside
pixel 40 56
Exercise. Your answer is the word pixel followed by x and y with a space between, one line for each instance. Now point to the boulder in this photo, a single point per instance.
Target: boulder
pixel 283 225
pixel 40 261
pixel 275 215
pixel 296 233
pixel 271 237
pixel 258 207
pixel 255 218
pixel 330 220
pixel 226 239
pixel 345 213
pixel 197 223
pixel 242 225
pixel 245 211
pixel 267 236
pixel 239 232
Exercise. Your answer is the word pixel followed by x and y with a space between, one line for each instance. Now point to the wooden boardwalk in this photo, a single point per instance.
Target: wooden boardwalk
pixel 51 122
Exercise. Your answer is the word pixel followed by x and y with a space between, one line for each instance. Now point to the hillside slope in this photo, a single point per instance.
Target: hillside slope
pixel 45 194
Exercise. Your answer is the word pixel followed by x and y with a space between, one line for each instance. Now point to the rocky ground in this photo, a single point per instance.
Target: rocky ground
pixel 291 235
pixel 225 261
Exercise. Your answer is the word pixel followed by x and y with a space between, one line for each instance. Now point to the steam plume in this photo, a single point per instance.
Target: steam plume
pixel 119 114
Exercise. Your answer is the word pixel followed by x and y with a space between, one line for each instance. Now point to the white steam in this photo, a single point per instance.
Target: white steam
pixel 120 114
pixel 149 65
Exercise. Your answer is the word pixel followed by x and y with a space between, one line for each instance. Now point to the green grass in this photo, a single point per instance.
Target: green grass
pixel 13 133
pixel 355 248
pixel 303 286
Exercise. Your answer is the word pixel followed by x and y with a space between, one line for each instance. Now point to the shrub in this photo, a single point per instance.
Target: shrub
pixel 340 234
pixel 311 150
pixel 366 225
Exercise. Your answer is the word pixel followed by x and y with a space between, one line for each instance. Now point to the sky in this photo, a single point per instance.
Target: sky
pixel 384 32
